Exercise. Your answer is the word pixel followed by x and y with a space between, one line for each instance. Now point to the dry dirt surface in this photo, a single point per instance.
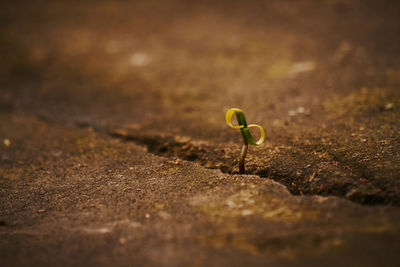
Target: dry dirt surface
pixel 114 148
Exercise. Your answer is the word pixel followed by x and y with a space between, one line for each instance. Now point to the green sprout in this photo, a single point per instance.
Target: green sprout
pixel 244 130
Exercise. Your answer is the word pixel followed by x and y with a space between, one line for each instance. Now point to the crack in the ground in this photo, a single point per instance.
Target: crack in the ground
pixel 303 171
pixel 305 182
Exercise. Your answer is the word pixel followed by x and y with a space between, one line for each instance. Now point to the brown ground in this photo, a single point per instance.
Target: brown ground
pixel 80 81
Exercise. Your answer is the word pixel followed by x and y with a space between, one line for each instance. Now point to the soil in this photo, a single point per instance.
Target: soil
pixel 115 149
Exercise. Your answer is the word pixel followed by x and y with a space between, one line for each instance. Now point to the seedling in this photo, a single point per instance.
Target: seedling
pixel 244 130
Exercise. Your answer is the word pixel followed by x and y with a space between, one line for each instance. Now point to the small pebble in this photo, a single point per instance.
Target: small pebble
pixel 6 142
pixel 147 216
pixel 164 215
pixel 230 203
pixel 247 212
pixel 300 110
pixel 185 147
pixel 139 59
pixel 389 106
pixel 300 67
pixel 175 162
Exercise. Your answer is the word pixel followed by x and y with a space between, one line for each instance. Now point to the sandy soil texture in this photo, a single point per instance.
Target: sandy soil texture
pixel 114 148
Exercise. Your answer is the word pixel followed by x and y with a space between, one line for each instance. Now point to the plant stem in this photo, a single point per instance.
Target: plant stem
pixel 242 158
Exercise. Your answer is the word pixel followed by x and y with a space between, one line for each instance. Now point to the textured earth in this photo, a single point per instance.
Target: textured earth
pixel 115 151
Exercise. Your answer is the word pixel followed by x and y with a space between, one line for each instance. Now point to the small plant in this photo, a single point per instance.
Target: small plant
pixel 244 130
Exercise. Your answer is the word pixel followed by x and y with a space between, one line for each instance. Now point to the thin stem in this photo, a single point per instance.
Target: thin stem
pixel 242 158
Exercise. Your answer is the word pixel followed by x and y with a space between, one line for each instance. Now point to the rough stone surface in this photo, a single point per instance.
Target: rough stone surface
pixel 114 149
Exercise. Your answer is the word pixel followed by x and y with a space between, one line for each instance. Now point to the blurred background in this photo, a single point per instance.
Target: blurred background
pixel 124 61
